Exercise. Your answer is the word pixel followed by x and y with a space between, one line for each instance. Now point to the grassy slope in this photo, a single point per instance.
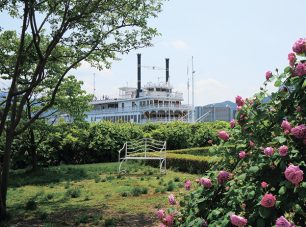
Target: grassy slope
pixel 101 197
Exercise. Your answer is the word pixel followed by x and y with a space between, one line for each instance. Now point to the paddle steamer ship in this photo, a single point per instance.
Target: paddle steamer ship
pixel 153 102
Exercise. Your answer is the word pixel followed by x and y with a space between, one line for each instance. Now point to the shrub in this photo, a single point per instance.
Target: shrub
pixel 170 187
pixel 31 204
pixel 73 192
pixel 97 179
pixel 124 194
pixel 137 191
pixel 265 186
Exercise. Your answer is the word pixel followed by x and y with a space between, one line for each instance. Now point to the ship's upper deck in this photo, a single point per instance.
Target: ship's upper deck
pixel 150 90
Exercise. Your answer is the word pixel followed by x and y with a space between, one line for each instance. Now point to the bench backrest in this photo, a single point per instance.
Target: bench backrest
pixel 144 148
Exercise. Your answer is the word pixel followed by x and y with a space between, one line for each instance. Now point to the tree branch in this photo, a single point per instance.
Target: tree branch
pixel 17 68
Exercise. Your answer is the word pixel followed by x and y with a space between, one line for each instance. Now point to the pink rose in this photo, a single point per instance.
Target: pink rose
pixel 299 131
pixel 223 176
pixel 188 185
pixel 268 200
pixel 269 151
pixel 223 135
pixel 251 143
pixel 204 223
pixel 283 150
pixel 283 222
pixel 294 174
pixel 264 184
pixel 171 199
pixel 206 182
pixel 300 69
pixel 286 125
pixel 242 154
pixel 233 123
pixel 239 101
pixel 168 220
pixel 298 109
pixel 291 58
pixel 210 141
pixel 239 108
pixel 268 75
pixel 299 46
pixel 160 214
pixel 238 220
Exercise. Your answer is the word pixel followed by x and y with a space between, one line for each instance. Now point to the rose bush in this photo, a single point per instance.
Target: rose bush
pixel 267 186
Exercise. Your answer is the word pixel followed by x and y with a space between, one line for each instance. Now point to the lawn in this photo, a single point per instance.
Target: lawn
pixel 90 195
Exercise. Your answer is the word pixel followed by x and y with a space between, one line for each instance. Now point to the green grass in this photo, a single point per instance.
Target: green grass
pixel 91 193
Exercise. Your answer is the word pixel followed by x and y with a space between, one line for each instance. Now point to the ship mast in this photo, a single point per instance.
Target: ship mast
pixel 192 77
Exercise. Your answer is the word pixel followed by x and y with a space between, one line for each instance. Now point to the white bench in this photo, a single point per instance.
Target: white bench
pixel 143 149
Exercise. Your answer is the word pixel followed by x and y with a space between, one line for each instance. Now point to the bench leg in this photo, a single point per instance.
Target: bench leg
pixel 162 166
pixel 119 170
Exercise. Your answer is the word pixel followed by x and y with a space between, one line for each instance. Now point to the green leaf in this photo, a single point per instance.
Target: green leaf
pixel 282 190
pixel 254 169
pixel 287 69
pixel 251 195
pixel 304 84
pixel 264 212
pixel 281 139
pixel 242 177
pixel 278 83
pixel 260 223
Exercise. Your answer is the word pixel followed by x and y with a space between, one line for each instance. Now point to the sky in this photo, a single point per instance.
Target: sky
pixel 233 44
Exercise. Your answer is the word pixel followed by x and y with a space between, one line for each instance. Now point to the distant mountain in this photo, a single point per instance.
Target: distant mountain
pixel 2 94
pixel 231 104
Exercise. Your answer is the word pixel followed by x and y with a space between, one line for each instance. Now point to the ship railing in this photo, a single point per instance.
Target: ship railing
pixel 161 119
pixel 141 108
pixel 161 94
pixel 143 149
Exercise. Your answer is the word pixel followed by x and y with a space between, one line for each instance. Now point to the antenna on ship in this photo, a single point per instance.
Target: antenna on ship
pixel 192 77
pixel 188 86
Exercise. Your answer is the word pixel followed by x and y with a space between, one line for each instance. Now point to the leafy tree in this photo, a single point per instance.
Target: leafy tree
pixel 55 37
pixel 71 101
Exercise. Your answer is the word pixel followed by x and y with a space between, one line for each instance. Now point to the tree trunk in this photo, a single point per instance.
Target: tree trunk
pixel 4 174
pixel 33 149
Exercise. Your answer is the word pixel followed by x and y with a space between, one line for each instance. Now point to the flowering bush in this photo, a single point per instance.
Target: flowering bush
pixel 261 179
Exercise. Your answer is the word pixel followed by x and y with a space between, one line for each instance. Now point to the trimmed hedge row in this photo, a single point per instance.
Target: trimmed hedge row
pixel 185 162
pixel 191 163
pixel 100 142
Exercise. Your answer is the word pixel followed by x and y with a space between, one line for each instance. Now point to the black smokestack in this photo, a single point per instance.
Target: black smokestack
pixel 167 70
pixel 138 75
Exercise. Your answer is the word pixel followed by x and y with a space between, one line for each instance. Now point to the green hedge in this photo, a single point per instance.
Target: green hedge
pixel 191 163
pixel 100 142
pixel 186 162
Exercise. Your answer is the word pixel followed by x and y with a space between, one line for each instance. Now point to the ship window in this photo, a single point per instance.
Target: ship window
pixel 158 89
pixel 122 105
pixel 150 89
